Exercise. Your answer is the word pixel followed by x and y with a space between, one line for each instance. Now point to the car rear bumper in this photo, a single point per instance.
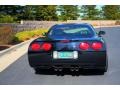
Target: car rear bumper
pixel 89 60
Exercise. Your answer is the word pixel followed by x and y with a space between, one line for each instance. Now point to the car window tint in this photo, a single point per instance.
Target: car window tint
pixel 73 30
pixel 78 30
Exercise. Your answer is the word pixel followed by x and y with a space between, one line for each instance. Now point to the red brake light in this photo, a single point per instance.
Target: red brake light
pixel 46 46
pixel 97 45
pixel 84 46
pixel 35 46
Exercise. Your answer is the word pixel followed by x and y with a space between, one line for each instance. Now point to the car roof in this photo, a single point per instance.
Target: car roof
pixel 73 24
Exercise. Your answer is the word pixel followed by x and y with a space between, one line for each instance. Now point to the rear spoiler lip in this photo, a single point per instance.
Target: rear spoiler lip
pixel 45 39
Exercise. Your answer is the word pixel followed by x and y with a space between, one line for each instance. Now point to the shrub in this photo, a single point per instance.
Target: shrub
pixel 26 35
pixel 117 22
pixel 6 19
pixel 6 35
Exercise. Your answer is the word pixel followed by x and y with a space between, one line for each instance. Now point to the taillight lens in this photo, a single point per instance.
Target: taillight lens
pixel 97 45
pixel 46 46
pixel 35 46
pixel 84 46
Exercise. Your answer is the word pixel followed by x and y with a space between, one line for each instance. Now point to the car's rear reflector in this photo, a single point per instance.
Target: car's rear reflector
pixel 35 46
pixel 96 45
pixel 84 46
pixel 65 41
pixel 46 46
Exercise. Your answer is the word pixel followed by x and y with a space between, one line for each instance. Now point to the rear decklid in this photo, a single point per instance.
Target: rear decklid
pixel 72 44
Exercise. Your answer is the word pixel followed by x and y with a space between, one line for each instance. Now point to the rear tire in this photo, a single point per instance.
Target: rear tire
pixel 38 70
pixel 103 70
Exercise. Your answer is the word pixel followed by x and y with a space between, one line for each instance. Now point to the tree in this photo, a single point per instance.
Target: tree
pixel 9 11
pixel 46 12
pixel 28 13
pixel 90 12
pixel 111 12
pixel 68 12
pixel 12 10
pixel 6 19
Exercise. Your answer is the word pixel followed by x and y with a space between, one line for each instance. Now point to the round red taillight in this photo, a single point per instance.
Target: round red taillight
pixel 46 46
pixel 84 46
pixel 35 46
pixel 97 45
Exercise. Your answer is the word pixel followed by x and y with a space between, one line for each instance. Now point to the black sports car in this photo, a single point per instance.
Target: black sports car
pixel 72 46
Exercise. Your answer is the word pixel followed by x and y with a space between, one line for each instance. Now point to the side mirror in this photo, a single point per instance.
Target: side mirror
pixel 101 33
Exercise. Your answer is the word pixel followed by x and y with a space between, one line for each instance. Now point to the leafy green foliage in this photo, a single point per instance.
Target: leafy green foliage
pixel 28 13
pixel 68 12
pixel 6 19
pixel 26 35
pixel 13 13
pixel 46 12
pixel 90 12
pixel 111 12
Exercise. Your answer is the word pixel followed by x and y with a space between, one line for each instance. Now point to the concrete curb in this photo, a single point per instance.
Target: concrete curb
pixel 14 47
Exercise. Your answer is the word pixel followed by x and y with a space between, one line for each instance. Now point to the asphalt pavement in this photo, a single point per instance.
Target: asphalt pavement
pixel 20 73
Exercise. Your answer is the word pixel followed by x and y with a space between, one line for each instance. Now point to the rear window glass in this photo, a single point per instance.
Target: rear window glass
pixel 72 30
